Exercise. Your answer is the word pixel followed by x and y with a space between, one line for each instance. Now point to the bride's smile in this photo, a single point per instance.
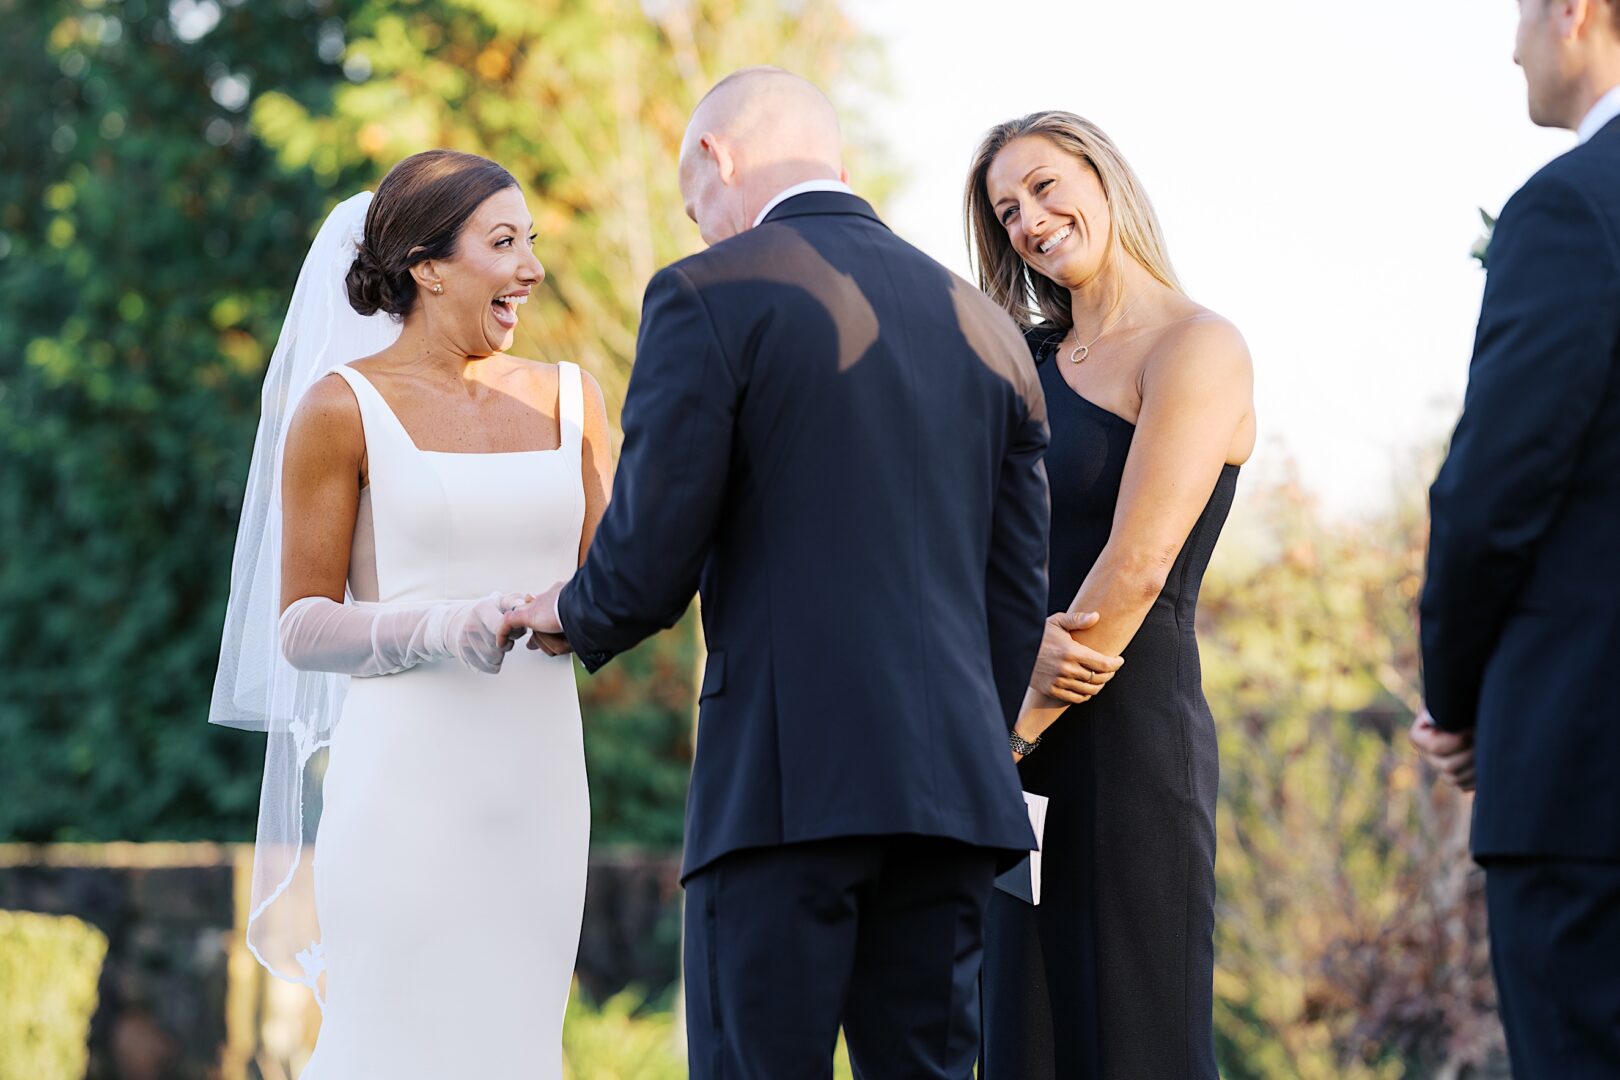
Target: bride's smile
pixel 505 308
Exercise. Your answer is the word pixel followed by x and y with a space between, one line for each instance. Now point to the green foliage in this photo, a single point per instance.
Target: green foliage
pixel 619 1042
pixel 622 1041
pixel 585 101
pixel 149 245
pixel 1350 933
pixel 638 740
pixel 161 173
pixel 49 968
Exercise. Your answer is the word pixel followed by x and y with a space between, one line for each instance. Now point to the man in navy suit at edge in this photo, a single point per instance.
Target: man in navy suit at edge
pixel 1521 609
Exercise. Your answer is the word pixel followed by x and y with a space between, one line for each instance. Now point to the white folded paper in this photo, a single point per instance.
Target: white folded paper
pixel 1024 880
pixel 1036 804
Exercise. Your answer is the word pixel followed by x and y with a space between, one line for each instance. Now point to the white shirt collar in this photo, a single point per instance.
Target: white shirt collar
pixel 800 189
pixel 1606 109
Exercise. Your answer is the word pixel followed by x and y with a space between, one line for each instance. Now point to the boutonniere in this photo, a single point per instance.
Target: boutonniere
pixel 1482 247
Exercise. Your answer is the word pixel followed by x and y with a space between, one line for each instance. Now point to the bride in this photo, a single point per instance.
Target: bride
pixel 409 480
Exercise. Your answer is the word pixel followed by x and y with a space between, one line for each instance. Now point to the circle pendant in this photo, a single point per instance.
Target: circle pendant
pixel 1080 353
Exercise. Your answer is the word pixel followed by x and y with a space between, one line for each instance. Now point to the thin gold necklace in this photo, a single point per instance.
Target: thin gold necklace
pixel 1081 352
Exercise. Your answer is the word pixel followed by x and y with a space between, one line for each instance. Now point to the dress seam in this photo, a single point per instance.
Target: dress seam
pixel 1183 722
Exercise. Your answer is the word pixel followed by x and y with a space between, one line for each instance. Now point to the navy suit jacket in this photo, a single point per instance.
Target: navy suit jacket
pixel 1521 609
pixel 840 444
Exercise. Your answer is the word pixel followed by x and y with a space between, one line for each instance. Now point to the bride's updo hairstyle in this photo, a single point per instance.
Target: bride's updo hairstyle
pixel 417 213
pixel 1030 297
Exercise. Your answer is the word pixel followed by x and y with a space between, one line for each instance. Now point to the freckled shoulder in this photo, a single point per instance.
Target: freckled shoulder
pixel 329 410
pixel 593 390
pixel 326 430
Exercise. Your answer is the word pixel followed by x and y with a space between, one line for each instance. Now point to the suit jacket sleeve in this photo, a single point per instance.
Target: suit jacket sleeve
pixel 679 413
pixel 1015 585
pixel 1542 357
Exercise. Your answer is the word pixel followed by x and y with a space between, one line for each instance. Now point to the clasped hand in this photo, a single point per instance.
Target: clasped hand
pixel 1451 753
pixel 538 619
pixel 1067 670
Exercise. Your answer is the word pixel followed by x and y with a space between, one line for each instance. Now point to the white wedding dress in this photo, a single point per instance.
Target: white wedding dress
pixel 450 859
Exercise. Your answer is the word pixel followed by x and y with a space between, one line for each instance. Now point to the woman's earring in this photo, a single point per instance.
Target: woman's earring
pixel 438 288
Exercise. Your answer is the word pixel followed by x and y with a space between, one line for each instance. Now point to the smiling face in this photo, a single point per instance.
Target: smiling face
pixel 488 277
pixel 1053 208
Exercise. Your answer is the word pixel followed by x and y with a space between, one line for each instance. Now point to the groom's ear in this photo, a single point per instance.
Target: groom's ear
pixel 724 163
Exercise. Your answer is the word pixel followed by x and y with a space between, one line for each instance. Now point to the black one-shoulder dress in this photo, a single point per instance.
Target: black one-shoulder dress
pixel 1110 977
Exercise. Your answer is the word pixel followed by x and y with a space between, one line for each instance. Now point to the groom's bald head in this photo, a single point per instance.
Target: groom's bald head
pixel 771 115
pixel 759 131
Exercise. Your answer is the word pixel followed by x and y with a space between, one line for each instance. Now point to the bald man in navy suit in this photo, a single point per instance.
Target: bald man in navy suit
pixel 840 443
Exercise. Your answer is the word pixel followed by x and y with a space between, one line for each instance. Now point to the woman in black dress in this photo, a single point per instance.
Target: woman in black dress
pixel 1149 398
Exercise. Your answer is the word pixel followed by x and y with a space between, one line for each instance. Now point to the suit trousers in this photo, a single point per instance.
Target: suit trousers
pixel 1555 950
pixel 882 935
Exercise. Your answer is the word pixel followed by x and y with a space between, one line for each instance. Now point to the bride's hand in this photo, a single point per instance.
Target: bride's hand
pixel 538 614
pixel 506 635
pixel 1067 670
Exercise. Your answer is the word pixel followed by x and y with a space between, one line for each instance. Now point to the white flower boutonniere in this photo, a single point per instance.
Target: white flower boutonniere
pixel 1482 247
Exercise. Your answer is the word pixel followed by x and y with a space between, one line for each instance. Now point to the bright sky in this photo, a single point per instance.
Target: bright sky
pixel 1316 166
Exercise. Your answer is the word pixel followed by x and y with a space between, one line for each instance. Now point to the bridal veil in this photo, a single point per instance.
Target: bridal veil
pixel 256 688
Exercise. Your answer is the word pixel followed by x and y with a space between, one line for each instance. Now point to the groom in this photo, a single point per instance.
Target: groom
pixel 1521 610
pixel 841 445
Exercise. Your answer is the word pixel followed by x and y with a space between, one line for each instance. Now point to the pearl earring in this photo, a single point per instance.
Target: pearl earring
pixel 438 288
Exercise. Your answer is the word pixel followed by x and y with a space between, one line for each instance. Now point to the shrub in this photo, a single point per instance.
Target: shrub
pixel 621 1041
pixel 49 968
pixel 1350 933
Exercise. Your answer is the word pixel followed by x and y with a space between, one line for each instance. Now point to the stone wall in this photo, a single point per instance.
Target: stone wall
pixel 168 912
pixel 182 999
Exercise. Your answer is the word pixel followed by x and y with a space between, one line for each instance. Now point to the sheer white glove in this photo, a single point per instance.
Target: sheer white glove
pixel 358 638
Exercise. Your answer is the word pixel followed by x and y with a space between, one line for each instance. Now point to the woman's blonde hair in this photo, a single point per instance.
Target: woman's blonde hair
pixel 1026 295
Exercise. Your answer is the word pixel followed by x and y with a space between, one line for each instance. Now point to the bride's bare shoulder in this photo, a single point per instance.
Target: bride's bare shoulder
pixel 328 416
pixel 522 367
pixel 531 381
pixel 548 372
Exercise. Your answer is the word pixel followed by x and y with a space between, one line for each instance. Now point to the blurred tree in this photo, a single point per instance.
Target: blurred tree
pixel 1350 934
pixel 147 243
pixel 585 101
pixel 163 164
